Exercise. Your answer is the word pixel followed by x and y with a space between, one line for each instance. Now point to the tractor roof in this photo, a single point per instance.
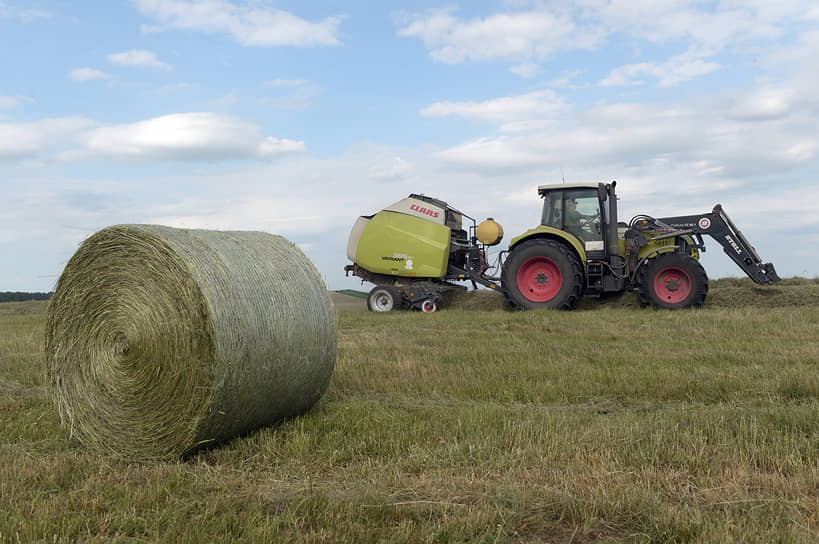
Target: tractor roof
pixel 562 186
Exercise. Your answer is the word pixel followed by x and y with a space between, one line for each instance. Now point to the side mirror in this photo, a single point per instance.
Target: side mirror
pixel 602 191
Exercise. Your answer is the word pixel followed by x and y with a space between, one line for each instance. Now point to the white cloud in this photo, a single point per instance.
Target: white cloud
pixel 254 24
pixel 184 136
pixel 500 152
pixel 705 24
pixel 391 168
pixel 522 35
pixel 272 147
pixel 530 125
pixel 27 140
pixel 178 137
pixel 673 71
pixel 794 208
pixel 11 102
pixel 534 105
pixel 526 37
pixel 138 57
pixel 526 70
pixel 8 102
pixel 565 81
pixel 805 10
pixel 704 138
pixel 86 74
pixel 802 150
pixel 267 213
pixel 765 104
pixel 8 11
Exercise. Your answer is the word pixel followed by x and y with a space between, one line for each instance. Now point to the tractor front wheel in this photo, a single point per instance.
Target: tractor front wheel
pixel 673 281
pixel 542 273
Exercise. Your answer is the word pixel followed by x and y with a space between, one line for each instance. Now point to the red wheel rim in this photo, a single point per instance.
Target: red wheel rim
pixel 673 285
pixel 428 306
pixel 540 279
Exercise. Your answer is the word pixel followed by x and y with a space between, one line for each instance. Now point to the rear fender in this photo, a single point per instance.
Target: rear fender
pixel 542 231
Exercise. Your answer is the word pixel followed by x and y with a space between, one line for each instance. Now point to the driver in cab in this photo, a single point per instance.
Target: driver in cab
pixel 581 225
pixel 574 220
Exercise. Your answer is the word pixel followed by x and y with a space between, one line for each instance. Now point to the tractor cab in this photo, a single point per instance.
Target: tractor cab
pixel 579 210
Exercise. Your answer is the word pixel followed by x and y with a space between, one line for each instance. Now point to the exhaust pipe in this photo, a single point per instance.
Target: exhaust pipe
pixel 613 242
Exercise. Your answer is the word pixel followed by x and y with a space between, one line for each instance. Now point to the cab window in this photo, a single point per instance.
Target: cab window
pixel 553 210
pixel 581 214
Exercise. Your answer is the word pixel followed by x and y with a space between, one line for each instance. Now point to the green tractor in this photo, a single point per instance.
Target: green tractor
pixel 417 248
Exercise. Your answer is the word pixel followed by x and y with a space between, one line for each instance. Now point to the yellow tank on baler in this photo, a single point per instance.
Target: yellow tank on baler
pixel 408 239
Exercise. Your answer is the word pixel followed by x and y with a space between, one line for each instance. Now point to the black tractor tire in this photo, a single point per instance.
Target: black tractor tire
pixel 673 281
pixel 542 273
pixel 384 299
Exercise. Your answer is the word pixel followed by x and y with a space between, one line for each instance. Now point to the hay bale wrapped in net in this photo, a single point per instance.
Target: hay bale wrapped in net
pixel 160 340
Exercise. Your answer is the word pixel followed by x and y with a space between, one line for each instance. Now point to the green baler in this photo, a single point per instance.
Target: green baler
pixel 415 249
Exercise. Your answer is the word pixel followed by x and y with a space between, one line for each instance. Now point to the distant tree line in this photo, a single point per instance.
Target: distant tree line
pixel 19 296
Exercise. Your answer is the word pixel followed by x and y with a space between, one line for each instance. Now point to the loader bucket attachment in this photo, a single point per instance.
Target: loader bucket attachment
pixel 740 250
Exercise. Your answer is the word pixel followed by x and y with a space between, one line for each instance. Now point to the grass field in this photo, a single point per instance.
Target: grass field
pixel 607 424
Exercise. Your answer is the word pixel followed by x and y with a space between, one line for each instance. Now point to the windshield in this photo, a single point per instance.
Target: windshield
pixel 581 215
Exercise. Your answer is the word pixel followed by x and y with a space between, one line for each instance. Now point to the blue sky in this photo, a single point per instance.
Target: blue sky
pixel 296 117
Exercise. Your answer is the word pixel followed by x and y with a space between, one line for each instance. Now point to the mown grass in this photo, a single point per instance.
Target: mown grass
pixel 608 424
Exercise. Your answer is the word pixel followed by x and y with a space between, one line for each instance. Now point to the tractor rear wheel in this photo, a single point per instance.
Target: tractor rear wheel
pixel 542 273
pixel 673 281
pixel 383 299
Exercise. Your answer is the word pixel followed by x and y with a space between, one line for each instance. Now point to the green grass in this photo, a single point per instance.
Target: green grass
pixel 608 424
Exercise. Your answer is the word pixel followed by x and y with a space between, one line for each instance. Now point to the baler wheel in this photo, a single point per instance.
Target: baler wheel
pixel 383 299
pixel 429 306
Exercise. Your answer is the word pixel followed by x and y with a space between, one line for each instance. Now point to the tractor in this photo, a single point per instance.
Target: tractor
pixel 417 248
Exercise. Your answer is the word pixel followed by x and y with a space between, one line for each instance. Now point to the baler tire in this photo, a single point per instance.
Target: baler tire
pixel 673 281
pixel 383 299
pixel 531 266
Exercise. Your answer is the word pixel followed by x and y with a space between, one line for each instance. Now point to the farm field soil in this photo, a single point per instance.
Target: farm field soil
pixel 607 424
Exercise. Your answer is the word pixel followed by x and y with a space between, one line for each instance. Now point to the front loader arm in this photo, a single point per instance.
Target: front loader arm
pixel 719 226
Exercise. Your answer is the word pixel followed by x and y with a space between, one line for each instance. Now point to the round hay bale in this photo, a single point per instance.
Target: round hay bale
pixel 160 341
